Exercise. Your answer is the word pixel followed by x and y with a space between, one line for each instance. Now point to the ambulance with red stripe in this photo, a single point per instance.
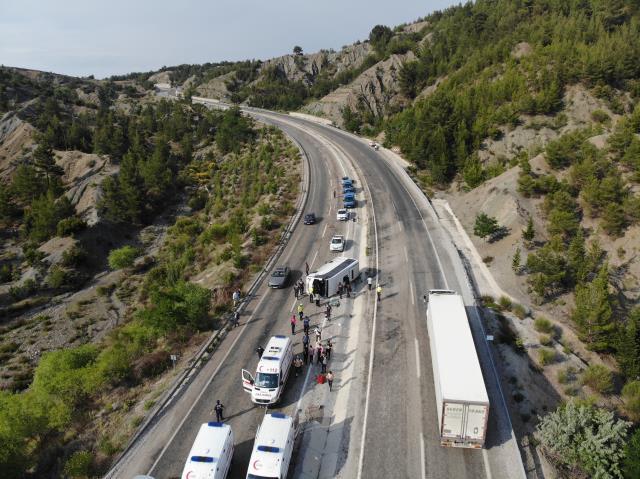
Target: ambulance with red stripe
pixel 272 372
pixel 272 448
pixel 211 453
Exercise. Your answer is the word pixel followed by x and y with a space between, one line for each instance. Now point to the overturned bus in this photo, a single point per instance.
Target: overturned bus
pixel 326 279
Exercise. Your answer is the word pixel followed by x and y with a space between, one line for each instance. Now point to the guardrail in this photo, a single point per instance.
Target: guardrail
pixel 184 378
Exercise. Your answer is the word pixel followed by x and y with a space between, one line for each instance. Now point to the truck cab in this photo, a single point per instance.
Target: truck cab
pixel 271 373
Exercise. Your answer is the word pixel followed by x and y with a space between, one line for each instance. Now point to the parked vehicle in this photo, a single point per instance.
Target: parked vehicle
pixel 349 200
pixel 461 397
pixel 348 189
pixel 211 453
pixel 343 215
pixel 346 181
pixel 326 279
pixel 273 447
pixel 310 219
pixel 279 277
pixel 337 243
pixel 272 371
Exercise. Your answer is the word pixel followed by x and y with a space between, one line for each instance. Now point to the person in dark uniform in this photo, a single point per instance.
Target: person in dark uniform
pixel 219 407
pixel 259 350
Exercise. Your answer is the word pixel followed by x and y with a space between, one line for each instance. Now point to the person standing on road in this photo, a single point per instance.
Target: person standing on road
pixel 379 292
pixel 305 347
pixel 295 290
pixel 369 282
pixel 311 294
pixel 314 354
pixel 340 290
pixel 323 363
pixel 306 267
pixel 305 325
pixel 218 408
pixel 293 324
pixel 318 332
pixel 328 349
pixel 236 297
pixel 300 310
pixel 297 364
pixel 330 380
pixel 236 319
pixel 327 312
pixel 259 350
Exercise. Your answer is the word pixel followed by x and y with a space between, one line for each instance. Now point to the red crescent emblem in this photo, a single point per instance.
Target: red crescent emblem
pixel 188 476
pixel 256 464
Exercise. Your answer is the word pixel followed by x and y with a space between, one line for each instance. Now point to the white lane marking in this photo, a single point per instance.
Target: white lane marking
pixel 423 462
pixel 417 357
pixel 400 227
pixel 313 260
pixel 406 255
pixel 413 294
pixel 325 229
pixel 197 400
pixel 371 347
pixel 487 469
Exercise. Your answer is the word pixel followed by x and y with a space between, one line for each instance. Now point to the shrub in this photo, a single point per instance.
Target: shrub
pixel 585 437
pixel 505 303
pixel 122 257
pixel 543 325
pixel 631 397
pixel 74 257
pixel 632 456
pixel 23 290
pixel 70 226
pixel 58 277
pixel 600 116
pixel 151 364
pixel 105 290
pixel 78 465
pixel 546 356
pixel 598 378
pixel 545 340
pixel 519 311
pixel 566 375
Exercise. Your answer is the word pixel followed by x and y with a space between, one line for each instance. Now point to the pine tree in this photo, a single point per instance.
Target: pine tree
pixel 593 313
pixel 44 161
pixel 529 233
pixel 485 225
pixel 628 346
pixel 576 259
pixel 156 173
pixel 515 262
pixel 130 188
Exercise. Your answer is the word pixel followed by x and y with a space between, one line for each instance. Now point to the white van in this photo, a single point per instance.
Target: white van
pixel 272 371
pixel 272 448
pixel 211 453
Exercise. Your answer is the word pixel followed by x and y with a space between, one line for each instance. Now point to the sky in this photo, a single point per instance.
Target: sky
pixel 111 37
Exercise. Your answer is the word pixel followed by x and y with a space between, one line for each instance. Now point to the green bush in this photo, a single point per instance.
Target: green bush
pixel 519 311
pixel 598 378
pixel 78 465
pixel 566 375
pixel 546 356
pixel 600 116
pixel 545 339
pixel 585 437
pixel 24 290
pixel 543 325
pixel 70 226
pixel 631 464
pixel 122 257
pixel 505 303
pixel 631 397
pixel 58 277
pixel 74 257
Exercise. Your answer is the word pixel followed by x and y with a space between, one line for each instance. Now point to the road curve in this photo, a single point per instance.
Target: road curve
pixel 388 424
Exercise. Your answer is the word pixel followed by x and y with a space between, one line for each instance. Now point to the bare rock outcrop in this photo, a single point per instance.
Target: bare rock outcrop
pixel 84 172
pixel 376 90
pixel 16 137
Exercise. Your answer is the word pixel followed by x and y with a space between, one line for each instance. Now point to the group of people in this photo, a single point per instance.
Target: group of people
pixel 298 288
pixel 318 353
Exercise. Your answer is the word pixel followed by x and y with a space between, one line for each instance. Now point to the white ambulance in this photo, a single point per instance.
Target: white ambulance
pixel 272 448
pixel 211 453
pixel 272 371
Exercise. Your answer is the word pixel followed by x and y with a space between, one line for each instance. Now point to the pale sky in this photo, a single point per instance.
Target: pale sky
pixel 103 38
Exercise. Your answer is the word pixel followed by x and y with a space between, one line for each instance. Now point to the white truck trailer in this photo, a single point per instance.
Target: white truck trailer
pixel 461 397
pixel 326 279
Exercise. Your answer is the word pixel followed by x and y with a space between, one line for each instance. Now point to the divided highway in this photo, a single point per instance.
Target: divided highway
pixel 380 420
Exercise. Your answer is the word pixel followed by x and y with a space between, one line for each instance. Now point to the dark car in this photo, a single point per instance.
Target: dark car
pixel 310 219
pixel 279 277
pixel 348 189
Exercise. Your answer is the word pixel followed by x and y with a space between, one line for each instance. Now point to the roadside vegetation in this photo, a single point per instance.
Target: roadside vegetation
pixel 77 406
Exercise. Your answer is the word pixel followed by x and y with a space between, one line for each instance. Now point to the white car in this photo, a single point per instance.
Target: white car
pixel 337 243
pixel 343 214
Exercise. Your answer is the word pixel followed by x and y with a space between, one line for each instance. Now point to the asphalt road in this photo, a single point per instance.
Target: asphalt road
pixel 393 424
